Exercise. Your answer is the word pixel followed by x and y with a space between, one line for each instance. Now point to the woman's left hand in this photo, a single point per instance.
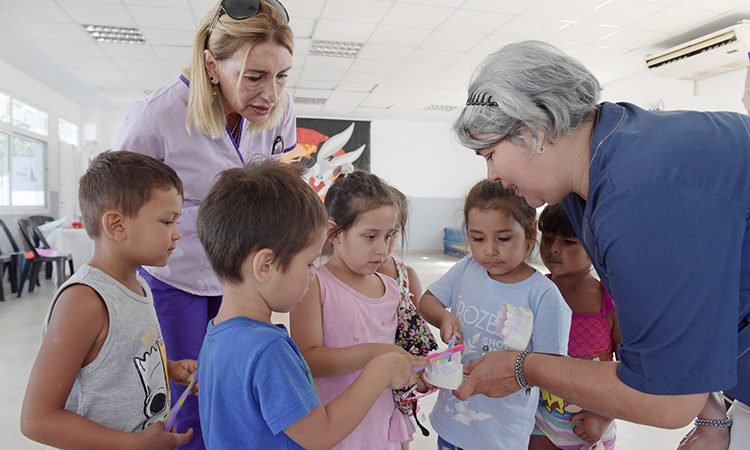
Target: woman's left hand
pixel 492 375
pixel 705 438
pixel 592 426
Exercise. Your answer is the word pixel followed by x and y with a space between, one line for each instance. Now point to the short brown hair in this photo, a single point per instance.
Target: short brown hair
pixel 554 220
pixel 264 204
pixel 122 180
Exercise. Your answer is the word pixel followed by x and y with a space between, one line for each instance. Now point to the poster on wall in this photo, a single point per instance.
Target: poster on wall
pixel 328 148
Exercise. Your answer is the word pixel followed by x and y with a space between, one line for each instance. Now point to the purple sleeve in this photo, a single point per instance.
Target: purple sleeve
pixel 140 133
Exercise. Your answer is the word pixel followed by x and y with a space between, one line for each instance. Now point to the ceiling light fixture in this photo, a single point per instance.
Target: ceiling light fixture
pixel 441 108
pixel 115 35
pixel 309 101
pixel 338 49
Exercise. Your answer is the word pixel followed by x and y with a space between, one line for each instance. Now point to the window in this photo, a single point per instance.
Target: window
pixel 67 132
pixel 29 118
pixel 4 103
pixel 27 172
pixel 23 154
pixel 4 170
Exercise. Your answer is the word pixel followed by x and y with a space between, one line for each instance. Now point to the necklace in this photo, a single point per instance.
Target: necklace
pixel 236 126
pixel 596 151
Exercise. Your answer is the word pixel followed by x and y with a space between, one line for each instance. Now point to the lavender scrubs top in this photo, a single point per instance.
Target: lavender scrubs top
pixel 156 127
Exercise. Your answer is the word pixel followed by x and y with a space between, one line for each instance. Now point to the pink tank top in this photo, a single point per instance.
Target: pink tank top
pixel 590 333
pixel 351 318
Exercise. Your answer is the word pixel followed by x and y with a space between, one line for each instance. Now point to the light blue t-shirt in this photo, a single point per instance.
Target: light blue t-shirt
pixel 475 298
pixel 254 383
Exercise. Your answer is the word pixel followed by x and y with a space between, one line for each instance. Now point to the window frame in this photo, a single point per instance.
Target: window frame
pixel 12 131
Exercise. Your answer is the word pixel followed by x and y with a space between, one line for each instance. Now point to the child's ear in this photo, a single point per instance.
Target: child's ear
pixel 262 264
pixel 332 236
pixel 112 224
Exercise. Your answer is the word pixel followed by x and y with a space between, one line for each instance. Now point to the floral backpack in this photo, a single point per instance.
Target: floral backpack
pixel 414 336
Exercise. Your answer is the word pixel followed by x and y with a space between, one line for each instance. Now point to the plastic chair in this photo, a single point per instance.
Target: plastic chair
pixel 38 256
pixel 13 262
pixel 38 221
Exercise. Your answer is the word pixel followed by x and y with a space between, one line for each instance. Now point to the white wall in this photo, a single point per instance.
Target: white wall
pixel 27 89
pixel 721 92
pixel 424 161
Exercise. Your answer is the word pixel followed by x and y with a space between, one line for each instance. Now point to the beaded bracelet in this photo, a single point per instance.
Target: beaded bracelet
pixel 520 377
pixel 725 423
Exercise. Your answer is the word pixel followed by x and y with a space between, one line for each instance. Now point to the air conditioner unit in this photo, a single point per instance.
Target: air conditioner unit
pixel 721 51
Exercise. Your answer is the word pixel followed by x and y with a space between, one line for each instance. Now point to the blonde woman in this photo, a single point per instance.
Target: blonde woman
pixel 228 107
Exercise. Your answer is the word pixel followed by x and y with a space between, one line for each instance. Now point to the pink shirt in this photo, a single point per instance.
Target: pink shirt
pixel 591 334
pixel 156 127
pixel 351 318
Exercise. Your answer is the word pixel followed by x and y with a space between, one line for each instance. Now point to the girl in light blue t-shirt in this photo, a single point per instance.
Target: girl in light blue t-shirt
pixel 502 232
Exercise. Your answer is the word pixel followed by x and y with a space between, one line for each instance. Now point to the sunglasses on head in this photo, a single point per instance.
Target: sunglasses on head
pixel 243 9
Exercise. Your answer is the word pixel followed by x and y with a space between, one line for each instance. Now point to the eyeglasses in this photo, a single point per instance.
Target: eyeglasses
pixel 278 146
pixel 243 9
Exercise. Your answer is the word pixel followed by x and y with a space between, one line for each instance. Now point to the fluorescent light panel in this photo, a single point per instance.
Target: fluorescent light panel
pixel 442 108
pixel 115 35
pixel 337 49
pixel 309 100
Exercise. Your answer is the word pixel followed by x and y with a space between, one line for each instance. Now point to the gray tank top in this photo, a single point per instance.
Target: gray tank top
pixel 125 387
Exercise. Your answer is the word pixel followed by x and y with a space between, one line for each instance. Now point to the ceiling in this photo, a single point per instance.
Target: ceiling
pixel 415 53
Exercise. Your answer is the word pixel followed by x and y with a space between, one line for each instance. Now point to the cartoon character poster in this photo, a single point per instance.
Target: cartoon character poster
pixel 329 148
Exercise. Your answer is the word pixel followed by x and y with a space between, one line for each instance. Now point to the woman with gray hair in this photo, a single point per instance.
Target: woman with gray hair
pixel 661 202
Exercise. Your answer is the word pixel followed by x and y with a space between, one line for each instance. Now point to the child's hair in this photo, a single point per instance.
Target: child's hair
pixel 402 212
pixel 264 204
pixel 554 220
pixel 354 194
pixel 122 180
pixel 492 195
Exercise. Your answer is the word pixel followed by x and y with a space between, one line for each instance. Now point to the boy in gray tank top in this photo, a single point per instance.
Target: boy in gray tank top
pixel 101 377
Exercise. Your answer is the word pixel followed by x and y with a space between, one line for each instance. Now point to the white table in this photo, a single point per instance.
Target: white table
pixel 74 241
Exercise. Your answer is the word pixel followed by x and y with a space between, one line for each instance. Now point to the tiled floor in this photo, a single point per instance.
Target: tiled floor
pixel 20 320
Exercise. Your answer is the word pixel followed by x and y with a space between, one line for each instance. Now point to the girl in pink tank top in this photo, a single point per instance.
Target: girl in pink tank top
pixel 594 334
pixel 349 314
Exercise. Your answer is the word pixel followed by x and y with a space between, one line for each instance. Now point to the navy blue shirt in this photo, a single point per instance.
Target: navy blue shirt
pixel 666 226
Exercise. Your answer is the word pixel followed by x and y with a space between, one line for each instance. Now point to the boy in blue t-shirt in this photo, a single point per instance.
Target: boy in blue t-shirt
pixel 263 228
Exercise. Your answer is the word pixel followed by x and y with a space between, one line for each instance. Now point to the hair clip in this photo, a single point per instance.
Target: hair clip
pixel 480 99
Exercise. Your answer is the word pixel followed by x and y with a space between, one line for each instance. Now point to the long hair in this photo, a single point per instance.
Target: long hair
pixel 227 36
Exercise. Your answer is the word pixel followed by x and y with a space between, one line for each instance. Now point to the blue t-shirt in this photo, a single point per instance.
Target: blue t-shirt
pixel 254 383
pixel 666 226
pixel 475 299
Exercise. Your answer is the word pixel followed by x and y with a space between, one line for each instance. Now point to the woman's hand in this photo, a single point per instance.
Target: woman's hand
pixel 592 426
pixel 705 438
pixel 493 375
